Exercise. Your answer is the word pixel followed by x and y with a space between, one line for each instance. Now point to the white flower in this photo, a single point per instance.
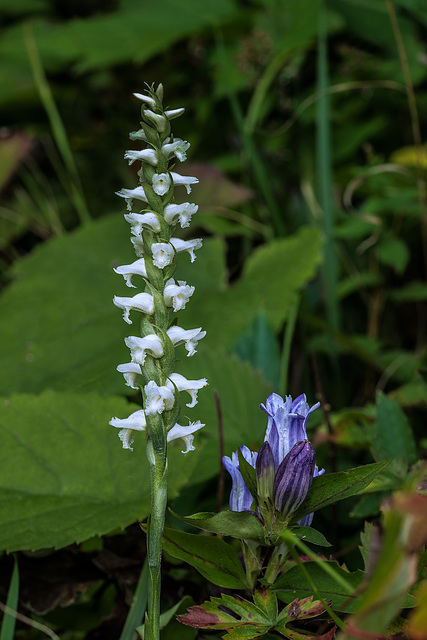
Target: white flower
pixel 163 254
pixel 140 220
pixel 158 398
pixel 174 113
pixel 147 99
pixel 157 119
pixel 178 431
pixel 192 386
pixel 131 371
pixel 186 181
pixel 161 183
pixel 146 155
pixel 177 295
pixel 135 422
pixel 187 245
pixel 138 245
pixel 139 346
pixel 178 148
pixel 181 211
pixel 137 268
pixel 190 337
pixel 130 194
pixel 138 135
pixel 142 302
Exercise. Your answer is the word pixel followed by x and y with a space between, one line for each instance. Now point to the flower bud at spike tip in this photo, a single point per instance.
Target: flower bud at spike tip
pixel 294 477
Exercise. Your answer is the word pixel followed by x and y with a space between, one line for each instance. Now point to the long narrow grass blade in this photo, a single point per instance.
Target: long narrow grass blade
pixel 56 123
pixel 324 167
pixel 7 631
pixel 138 606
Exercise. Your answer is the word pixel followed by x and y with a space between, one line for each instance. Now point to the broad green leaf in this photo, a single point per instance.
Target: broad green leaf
pixel 242 524
pixel 295 584
pixel 74 340
pixel 308 534
pixel 64 476
pixel 271 277
pixel 394 253
pixel 332 487
pixel 392 435
pixel 212 557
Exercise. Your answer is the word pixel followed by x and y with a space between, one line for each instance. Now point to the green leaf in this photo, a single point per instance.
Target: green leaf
pixel 308 534
pixel 260 347
pixel 212 557
pixel 169 627
pixel 392 435
pixel 394 253
pixel 244 525
pixel 295 584
pixel 7 631
pixel 332 487
pixel 64 474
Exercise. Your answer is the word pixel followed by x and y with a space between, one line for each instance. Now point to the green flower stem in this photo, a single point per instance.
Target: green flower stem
pixel 158 471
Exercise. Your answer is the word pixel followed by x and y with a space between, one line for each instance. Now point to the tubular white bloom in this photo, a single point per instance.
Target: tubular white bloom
pixel 158 398
pixel 146 155
pixel 147 99
pixel 157 119
pixel 186 181
pixel 130 194
pixel 178 431
pixel 161 183
pixel 131 371
pixel 163 254
pixel 191 386
pixel 137 268
pixel 177 295
pixel 141 302
pixel 139 347
pixel 135 422
pixel 187 245
pixel 138 135
pixel 178 148
pixel 189 337
pixel 181 211
pixel 140 220
pixel 174 113
pixel 138 245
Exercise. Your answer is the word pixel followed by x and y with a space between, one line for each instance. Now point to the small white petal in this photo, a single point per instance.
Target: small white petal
pixel 146 155
pixel 178 148
pixel 177 295
pixel 174 113
pixel 130 194
pixel 138 135
pixel 157 119
pixel 181 211
pixel 130 371
pixel 138 245
pixel 135 422
pixel 126 436
pixel 185 433
pixel 137 268
pixel 187 245
pixel 163 254
pixel 147 99
pixel 141 302
pixel 191 386
pixel 139 347
pixel 186 181
pixel 190 337
pixel 138 221
pixel 158 398
pixel 161 183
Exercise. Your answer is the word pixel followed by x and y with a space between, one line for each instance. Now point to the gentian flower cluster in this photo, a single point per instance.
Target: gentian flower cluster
pixel 152 215
pixel 284 466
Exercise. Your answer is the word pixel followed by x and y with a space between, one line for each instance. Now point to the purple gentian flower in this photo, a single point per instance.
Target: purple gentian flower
pixel 285 465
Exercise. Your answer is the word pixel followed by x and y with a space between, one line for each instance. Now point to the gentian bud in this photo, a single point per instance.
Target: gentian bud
pixel 293 478
pixel 265 472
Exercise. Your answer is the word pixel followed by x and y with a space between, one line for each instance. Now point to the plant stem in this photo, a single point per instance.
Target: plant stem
pixel 156 454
